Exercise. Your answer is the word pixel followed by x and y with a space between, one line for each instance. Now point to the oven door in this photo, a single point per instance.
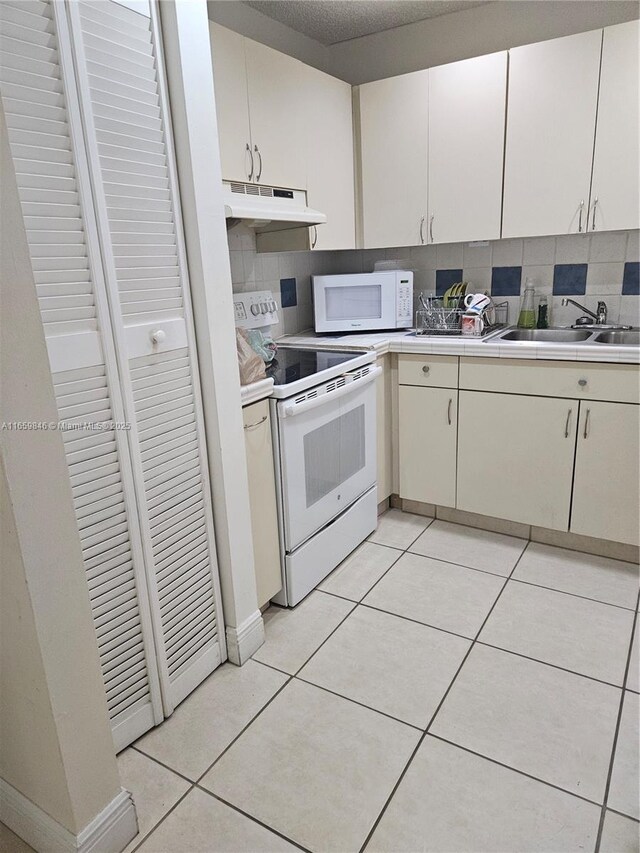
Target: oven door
pixel 327 455
pixel 344 303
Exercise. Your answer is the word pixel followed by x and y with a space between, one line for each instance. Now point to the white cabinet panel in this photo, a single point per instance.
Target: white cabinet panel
pixel 384 425
pixel 551 118
pixel 393 129
pixel 606 503
pixel 427 443
pixel 262 497
pixel 329 145
pixel 515 457
pixel 616 165
pixel 232 107
pixel 467 107
pixel 277 107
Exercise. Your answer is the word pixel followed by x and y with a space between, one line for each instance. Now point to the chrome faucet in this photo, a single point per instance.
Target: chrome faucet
pixel 601 311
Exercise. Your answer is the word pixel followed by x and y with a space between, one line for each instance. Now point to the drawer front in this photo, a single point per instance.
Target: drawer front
pixel 433 371
pixel 575 379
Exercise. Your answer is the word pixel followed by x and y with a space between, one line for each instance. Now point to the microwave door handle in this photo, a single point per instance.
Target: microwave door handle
pixel 290 410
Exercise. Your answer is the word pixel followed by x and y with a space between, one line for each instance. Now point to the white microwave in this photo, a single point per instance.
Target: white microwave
pixel 363 301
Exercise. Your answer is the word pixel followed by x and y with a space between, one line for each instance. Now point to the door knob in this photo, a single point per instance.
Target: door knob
pixel 158 336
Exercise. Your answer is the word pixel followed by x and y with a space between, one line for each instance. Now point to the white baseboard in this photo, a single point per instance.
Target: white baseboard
pixel 246 639
pixel 108 832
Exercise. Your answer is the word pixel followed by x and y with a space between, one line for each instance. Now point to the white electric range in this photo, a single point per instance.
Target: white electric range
pixel 323 420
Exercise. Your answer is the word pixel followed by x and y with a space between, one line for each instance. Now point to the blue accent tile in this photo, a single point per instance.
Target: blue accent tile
pixel 445 278
pixel 505 281
pixel 631 279
pixel 569 279
pixel 288 292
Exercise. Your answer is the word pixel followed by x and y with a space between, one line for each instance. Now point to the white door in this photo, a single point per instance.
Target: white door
pixel 278 114
pixel 551 120
pixel 428 430
pixel 39 101
pixel 125 117
pixel 327 453
pixel 393 139
pixel 606 500
pixel 467 109
pixel 616 164
pixel 515 457
pixel 232 104
pixel 330 181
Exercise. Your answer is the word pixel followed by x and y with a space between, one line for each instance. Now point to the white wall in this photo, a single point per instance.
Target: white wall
pixel 56 748
pixel 473 32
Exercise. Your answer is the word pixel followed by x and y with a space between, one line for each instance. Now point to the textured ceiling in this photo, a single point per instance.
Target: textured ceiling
pixel 333 21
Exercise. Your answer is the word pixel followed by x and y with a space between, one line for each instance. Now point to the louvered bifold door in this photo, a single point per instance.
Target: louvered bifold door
pixel 38 98
pixel 119 61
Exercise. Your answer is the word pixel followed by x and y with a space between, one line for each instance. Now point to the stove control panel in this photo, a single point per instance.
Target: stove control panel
pixel 255 310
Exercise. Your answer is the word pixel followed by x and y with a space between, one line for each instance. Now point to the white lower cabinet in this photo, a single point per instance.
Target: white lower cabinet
pixel 606 498
pixel 515 457
pixel 384 428
pixel 428 420
pixel 262 498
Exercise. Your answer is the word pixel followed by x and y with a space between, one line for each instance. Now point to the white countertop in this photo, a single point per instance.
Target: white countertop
pixel 488 347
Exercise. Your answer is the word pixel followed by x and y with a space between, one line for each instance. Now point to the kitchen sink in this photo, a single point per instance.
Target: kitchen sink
pixel 547 335
pixel 621 337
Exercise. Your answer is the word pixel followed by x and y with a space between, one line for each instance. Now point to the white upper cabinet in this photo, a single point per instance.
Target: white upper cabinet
pixel 467 105
pixel 277 110
pixel 329 145
pixel 393 128
pixel 616 165
pixel 551 119
pixel 232 107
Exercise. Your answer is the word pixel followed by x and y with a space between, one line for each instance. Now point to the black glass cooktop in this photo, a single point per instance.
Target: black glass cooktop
pixel 291 364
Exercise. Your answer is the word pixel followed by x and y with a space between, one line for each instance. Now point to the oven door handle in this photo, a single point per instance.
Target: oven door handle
pixel 290 410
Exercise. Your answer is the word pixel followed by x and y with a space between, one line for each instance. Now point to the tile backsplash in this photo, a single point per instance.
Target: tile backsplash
pixel 588 267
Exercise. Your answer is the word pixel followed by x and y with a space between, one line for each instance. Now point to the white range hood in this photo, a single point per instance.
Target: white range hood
pixel 268 209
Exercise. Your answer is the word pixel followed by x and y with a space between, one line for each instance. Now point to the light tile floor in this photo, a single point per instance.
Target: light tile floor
pixel 446 689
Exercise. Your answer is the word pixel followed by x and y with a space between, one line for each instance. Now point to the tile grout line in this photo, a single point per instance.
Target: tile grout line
pixel 614 745
pixel 436 712
pixel 514 769
pixel 162 819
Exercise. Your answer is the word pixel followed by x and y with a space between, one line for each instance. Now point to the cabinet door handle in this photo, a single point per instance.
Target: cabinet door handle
pixel 580 217
pixel 426 369
pixel 257 423
pixel 566 426
pixel 250 155
pixel 449 411
pixel 593 221
pixel 257 150
pixel 431 218
pixel 421 227
pixel 585 434
pixel 315 237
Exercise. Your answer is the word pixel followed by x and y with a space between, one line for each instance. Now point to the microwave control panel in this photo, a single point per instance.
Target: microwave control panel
pixel 255 310
pixel 404 304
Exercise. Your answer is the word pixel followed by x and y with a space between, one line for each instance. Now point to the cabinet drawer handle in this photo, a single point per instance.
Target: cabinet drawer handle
pixel 566 426
pixel 582 382
pixel 580 217
pixel 250 155
pixel 257 150
pixel 593 221
pixel 431 218
pixel 421 227
pixel 585 434
pixel 426 369
pixel 257 423
pixel 449 411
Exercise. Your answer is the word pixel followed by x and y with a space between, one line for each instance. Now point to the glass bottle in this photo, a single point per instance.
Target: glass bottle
pixel 527 316
pixel 543 313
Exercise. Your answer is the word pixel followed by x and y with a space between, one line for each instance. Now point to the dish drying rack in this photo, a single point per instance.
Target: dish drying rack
pixel 436 318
